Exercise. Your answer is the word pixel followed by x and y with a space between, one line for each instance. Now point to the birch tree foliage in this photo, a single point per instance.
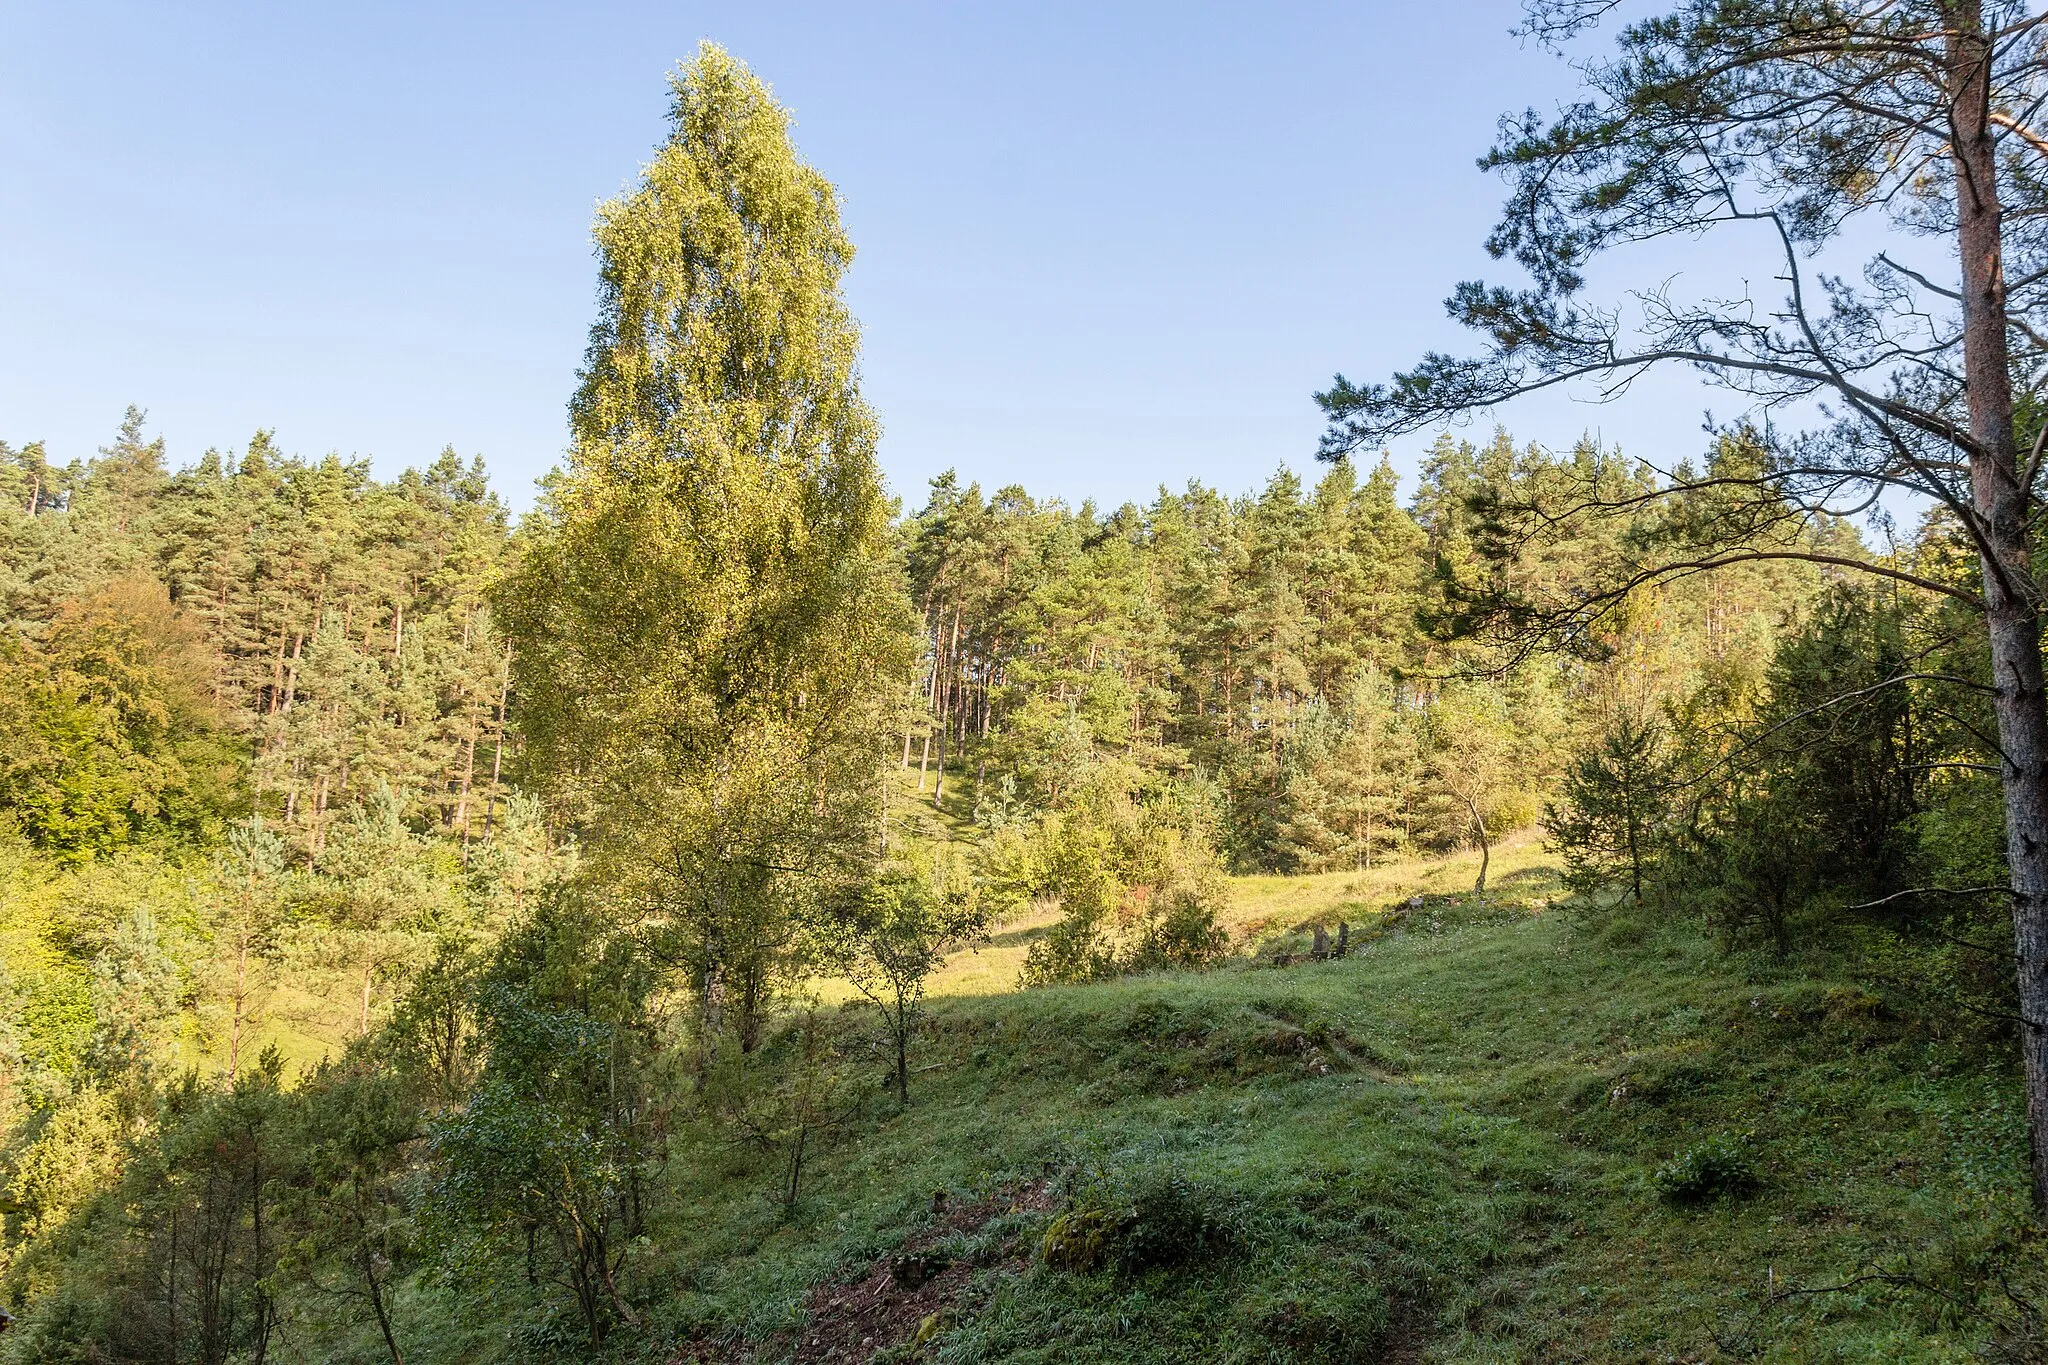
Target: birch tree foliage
pixel 705 618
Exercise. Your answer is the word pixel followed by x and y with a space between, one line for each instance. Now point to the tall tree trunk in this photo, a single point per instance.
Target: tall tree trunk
pixel 2000 503
pixel 239 1000
pixel 266 1309
pixel 948 703
pixel 276 698
pixel 988 680
pixel 931 705
pixel 291 680
pixel 498 748
pixel 468 779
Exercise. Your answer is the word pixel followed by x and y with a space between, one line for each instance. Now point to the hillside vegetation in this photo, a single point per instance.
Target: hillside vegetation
pixel 1567 910
pixel 1503 1129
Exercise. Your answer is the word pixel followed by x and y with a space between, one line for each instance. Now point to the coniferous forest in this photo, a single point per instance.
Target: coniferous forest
pixel 1566 903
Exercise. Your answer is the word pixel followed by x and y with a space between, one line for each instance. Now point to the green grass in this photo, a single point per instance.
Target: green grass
pixel 1509 1130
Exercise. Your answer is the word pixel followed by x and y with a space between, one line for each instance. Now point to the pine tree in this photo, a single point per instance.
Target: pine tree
pixel 1607 820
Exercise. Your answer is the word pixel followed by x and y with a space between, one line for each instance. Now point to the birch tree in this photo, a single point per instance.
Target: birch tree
pixel 708 638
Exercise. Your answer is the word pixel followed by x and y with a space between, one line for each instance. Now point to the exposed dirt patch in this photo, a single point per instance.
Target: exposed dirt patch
pixel 904 1295
pixel 1407 1335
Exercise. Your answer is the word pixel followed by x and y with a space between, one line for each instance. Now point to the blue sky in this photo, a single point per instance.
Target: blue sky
pixel 1102 246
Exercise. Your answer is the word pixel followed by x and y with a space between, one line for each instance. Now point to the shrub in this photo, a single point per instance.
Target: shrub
pixel 1174 1221
pixel 1720 1167
pixel 1178 927
pixel 1131 1223
pixel 1151 907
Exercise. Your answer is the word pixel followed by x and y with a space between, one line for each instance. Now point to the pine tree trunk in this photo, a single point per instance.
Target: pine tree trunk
pixel 498 748
pixel 277 675
pixel 291 680
pixel 988 678
pixel 241 996
pixel 931 703
pixel 948 704
pixel 468 778
pixel 2000 504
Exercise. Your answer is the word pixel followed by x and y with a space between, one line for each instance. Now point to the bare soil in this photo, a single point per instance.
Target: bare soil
pixel 852 1321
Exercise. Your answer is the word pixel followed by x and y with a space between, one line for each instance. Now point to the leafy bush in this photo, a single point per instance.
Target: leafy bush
pixel 1139 886
pixel 1174 1221
pixel 1720 1167
pixel 1136 1222
pixel 1176 927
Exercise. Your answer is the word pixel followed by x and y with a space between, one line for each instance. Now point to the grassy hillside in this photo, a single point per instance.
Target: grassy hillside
pixel 1500 1131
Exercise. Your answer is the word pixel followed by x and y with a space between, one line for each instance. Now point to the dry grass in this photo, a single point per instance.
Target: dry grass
pixel 1259 908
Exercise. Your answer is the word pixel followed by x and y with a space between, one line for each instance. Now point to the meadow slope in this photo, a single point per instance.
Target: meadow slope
pixel 1505 1128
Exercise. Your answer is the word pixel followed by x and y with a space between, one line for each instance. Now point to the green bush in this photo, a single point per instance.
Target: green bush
pixel 1158 912
pixel 1175 1221
pixel 1720 1167
pixel 1137 1222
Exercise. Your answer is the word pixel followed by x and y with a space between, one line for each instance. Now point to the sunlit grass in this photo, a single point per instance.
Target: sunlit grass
pixel 1260 907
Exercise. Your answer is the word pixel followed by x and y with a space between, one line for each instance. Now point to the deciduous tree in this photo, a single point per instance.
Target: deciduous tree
pixel 709 638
